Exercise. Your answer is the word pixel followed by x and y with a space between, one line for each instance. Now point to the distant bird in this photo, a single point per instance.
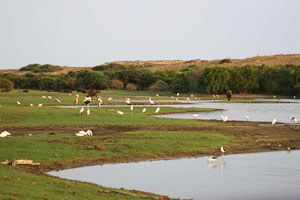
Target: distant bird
pixel 88 112
pixel 274 97
pixel 222 149
pixel 274 121
pixel 294 120
pixel 40 105
pixel 157 110
pixel 31 105
pixel 120 112
pixel 87 100
pixel 43 97
pixel 192 95
pixel 76 100
pixel 188 100
pixel 212 159
pixel 70 94
pixel 89 132
pixel 144 110
pixel 176 99
pixel 49 97
pixel 18 102
pixel 214 96
pixel 81 110
pixel 83 133
pixel 131 108
pixel 110 99
pixel 247 117
pixel 151 101
pixel 177 94
pixel 157 95
pixel 172 97
pixel 127 101
pixel 195 116
pixel 100 101
pixel 224 118
pixel 57 100
pixel 5 134
pixel 294 97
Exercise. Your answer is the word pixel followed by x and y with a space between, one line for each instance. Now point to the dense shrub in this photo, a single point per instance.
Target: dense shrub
pixel 37 68
pixel 6 85
pixel 159 86
pixel 117 84
pixel 131 86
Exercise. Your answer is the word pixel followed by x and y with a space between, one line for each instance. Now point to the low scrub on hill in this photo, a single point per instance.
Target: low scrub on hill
pixel 37 68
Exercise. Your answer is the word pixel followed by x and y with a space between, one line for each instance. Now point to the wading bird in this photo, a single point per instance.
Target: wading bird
pixel 294 120
pixel 212 159
pixel 88 112
pixel 214 96
pixel 157 95
pixel 18 102
pixel 43 97
pixel 31 105
pixel 222 149
pixel 5 134
pixel 247 117
pixel 49 97
pixel 144 110
pixel 120 112
pixel 40 105
pixel 195 116
pixel 87 100
pixel 274 121
pixel 100 101
pixel 131 108
pixel 188 100
pixel 178 94
pixel 110 99
pixel 224 118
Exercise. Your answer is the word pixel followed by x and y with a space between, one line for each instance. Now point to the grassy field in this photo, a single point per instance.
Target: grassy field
pixel 130 137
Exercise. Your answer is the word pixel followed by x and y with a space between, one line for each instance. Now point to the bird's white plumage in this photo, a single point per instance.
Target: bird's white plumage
pixel 224 118
pixel 157 110
pixel 81 110
pixel 5 134
pixel 40 105
pixel 222 149
pixel 18 102
pixel 144 110
pixel 274 121
pixel 247 117
pixel 131 108
pixel 195 115
pixel 120 112
pixel 88 112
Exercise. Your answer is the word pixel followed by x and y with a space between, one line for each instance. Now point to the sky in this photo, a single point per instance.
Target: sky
pixel 92 32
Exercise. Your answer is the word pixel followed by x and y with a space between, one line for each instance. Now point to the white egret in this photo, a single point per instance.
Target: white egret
pixel 224 118
pixel 131 108
pixel 31 105
pixel 18 102
pixel 212 159
pixel 100 101
pixel 157 95
pixel 88 112
pixel 178 94
pixel 274 121
pixel 157 110
pixel 247 117
pixel 294 120
pixel 120 112
pixel 188 100
pixel 43 97
pixel 70 94
pixel 195 116
pixel 58 100
pixel 176 99
pixel 81 110
pixel 89 132
pixel 214 96
pixel 222 149
pixel 5 134
pixel 294 97
pixel 144 110
pixel 76 99
pixel 49 97
pixel 110 99
pixel 151 101
pixel 40 105
pixel 127 101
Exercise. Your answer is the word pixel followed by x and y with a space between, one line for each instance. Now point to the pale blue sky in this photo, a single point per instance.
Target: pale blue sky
pixel 91 32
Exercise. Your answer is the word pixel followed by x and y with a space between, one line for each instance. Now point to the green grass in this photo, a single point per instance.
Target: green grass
pixel 43 116
pixel 61 148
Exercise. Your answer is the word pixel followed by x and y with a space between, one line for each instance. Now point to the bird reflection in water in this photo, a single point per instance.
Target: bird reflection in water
pixel 213 164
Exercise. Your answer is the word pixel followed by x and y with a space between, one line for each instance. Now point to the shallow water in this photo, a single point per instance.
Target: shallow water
pixel 261 112
pixel 272 175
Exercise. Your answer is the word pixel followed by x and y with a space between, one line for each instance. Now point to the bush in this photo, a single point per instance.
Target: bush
pixel 6 85
pixel 131 86
pixel 159 86
pixel 37 68
pixel 117 84
pixel 226 60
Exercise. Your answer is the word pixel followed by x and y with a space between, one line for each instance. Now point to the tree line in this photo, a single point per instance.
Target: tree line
pixel 280 80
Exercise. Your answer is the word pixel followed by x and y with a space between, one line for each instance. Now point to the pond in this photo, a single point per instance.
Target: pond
pixel 260 112
pixel 271 175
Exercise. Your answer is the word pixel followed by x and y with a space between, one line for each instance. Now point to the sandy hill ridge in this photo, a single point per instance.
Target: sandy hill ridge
pixel 293 59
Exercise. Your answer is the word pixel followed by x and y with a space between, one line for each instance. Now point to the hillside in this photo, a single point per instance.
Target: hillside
pixel 293 59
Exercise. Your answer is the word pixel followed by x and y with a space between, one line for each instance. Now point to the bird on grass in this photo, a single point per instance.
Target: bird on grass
pixel 274 121
pixel 110 99
pixel 127 101
pixel 31 105
pixel 224 118
pixel 144 110
pixel 157 110
pixel 43 97
pixel 81 110
pixel 18 102
pixel 88 112
pixel 87 100
pixel 131 108
pixel 49 97
pixel 178 94
pixel 151 101
pixel 5 134
pixel 57 100
pixel 120 112
pixel 40 105
pixel 157 95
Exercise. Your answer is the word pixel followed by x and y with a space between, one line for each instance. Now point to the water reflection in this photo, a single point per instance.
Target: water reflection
pixel 272 175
